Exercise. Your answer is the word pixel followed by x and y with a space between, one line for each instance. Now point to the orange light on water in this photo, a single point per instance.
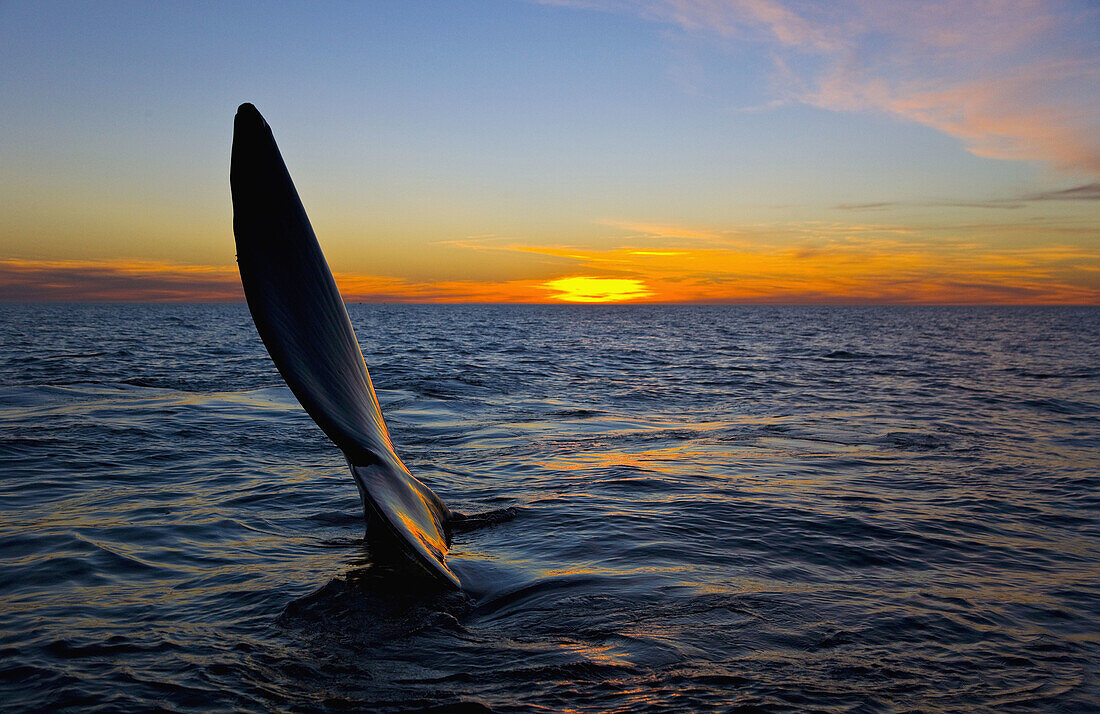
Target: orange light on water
pixel 590 289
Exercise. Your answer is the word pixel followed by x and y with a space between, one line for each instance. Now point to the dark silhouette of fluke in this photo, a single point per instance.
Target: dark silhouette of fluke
pixel 303 322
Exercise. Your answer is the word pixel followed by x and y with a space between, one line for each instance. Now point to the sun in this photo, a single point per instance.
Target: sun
pixel 590 289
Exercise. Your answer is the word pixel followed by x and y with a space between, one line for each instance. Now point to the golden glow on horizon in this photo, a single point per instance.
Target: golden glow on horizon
pixel 837 163
pixel 783 263
pixel 586 288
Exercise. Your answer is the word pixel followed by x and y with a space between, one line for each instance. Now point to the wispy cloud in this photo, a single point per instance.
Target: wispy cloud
pixel 1035 113
pixel 798 262
pixel 26 280
pixel 847 263
pixel 665 230
pixel 1084 192
pixel 120 280
pixel 1011 79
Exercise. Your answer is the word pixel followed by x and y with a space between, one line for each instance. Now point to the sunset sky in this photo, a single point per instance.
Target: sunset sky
pixel 775 151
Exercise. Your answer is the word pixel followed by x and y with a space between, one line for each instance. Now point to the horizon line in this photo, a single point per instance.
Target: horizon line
pixel 562 303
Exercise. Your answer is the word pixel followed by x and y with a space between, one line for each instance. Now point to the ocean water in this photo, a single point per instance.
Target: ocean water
pixel 720 508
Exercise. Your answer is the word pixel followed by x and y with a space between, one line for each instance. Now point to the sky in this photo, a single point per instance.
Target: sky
pixel 713 151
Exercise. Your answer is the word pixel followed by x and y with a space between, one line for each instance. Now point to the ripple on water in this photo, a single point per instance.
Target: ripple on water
pixel 865 509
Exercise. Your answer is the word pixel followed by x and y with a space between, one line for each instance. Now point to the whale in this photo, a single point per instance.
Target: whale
pixel 304 324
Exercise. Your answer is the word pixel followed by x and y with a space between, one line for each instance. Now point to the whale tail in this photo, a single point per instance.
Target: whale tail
pixel 304 324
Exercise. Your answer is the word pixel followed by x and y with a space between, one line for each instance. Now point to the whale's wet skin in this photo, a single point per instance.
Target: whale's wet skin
pixel 857 508
pixel 301 317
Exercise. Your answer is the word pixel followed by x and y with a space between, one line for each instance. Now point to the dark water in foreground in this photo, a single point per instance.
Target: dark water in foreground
pixel 861 509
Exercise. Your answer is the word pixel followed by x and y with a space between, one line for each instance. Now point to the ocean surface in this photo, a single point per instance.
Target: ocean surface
pixel 720 508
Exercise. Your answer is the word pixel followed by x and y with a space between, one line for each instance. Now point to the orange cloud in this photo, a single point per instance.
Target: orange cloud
pixel 996 117
pixel 835 267
pixel 1012 79
pixel 802 263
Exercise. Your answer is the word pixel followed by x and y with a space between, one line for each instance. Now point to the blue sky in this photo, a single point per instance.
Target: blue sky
pixel 442 145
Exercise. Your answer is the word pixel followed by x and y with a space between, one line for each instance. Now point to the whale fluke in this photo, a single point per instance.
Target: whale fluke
pixel 304 325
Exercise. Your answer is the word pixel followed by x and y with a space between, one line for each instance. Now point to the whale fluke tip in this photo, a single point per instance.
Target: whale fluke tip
pixel 249 117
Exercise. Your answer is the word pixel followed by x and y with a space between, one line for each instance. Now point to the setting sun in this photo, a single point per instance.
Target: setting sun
pixel 590 289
